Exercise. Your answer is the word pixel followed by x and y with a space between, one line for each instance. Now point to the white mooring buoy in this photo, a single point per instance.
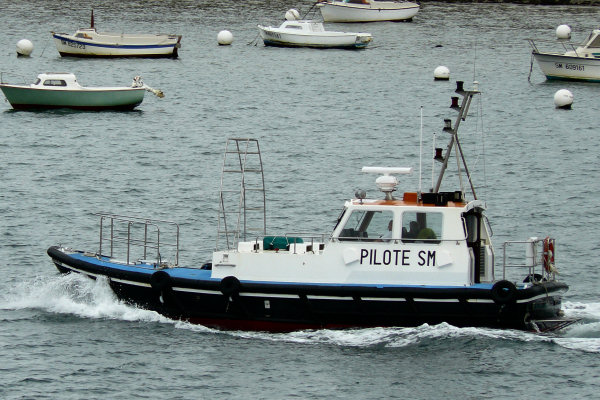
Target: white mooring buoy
pixel 563 32
pixel 224 38
pixel 292 14
pixel 24 47
pixel 441 73
pixel 563 99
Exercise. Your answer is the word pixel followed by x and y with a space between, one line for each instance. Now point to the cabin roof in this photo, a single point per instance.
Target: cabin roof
pixel 411 199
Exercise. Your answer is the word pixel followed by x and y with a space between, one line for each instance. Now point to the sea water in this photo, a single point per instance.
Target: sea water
pixel 319 115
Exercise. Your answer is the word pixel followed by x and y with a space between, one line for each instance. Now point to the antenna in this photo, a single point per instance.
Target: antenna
pixel 433 162
pixel 421 150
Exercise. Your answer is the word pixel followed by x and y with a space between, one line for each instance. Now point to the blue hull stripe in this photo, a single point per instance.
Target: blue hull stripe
pixel 109 46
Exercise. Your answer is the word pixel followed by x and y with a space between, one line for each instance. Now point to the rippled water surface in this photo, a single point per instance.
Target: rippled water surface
pixel 320 115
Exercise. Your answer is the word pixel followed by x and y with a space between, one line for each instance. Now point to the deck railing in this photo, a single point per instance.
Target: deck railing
pixel 290 242
pixel 533 256
pixel 566 46
pixel 129 233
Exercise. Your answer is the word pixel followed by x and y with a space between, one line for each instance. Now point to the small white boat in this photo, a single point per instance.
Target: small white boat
pixel 307 33
pixel 576 62
pixel 87 42
pixel 367 10
pixel 61 90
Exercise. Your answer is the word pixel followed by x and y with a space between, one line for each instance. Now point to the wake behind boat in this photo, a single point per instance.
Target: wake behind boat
pixel 295 32
pixel 419 258
pixel 61 90
pixel 367 10
pixel 88 42
pixel 574 62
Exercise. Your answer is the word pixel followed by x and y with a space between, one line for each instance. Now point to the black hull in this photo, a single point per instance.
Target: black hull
pixel 230 304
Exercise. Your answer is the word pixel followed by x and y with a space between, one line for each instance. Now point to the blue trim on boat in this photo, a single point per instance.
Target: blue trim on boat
pixel 128 46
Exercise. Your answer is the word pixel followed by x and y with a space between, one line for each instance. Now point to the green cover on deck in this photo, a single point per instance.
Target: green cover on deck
pixel 279 242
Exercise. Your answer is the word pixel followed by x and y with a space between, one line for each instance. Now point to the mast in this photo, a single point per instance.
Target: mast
pixel 462 115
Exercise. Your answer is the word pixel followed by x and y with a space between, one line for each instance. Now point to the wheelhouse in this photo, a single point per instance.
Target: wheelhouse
pixel 455 227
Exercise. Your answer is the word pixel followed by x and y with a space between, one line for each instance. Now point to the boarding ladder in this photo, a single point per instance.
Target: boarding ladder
pixel 242 211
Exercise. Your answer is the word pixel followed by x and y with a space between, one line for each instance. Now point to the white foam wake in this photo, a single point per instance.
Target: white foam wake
pixel 76 295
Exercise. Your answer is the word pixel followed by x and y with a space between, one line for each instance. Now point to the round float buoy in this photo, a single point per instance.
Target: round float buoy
pixel 563 32
pixel 292 14
pixel 24 47
pixel 224 38
pixel 441 73
pixel 563 99
pixel 503 292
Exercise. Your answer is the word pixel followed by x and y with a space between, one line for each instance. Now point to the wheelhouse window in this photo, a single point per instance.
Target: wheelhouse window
pixel 421 226
pixel 55 82
pixel 365 225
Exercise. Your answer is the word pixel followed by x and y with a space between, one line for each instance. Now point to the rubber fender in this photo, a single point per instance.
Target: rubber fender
pixel 504 292
pixel 160 281
pixel 230 285
pixel 534 278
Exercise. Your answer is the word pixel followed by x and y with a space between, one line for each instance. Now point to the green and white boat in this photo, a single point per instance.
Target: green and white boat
pixel 61 90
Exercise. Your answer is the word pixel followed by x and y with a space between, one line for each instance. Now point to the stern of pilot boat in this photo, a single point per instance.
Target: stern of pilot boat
pixel 536 302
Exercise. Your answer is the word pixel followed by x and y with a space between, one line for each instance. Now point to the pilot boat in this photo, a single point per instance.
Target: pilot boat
pixel 406 260
pixel 575 62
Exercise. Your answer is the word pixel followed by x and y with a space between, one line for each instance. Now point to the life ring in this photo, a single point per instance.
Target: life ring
pixel 230 285
pixel 503 292
pixel 548 254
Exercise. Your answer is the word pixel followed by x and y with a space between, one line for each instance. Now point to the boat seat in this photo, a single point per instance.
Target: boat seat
pixel 280 242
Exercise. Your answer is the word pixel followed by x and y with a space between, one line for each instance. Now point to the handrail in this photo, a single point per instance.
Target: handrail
pixel 534 258
pixel 150 239
pixel 567 46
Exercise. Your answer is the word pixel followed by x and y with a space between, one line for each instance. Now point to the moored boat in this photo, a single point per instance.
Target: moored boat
pixel 88 42
pixel 307 33
pixel 391 261
pixel 62 90
pixel 580 62
pixel 367 10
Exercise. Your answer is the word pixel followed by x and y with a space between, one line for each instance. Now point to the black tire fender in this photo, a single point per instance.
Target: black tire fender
pixel 160 281
pixel 503 292
pixel 230 285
